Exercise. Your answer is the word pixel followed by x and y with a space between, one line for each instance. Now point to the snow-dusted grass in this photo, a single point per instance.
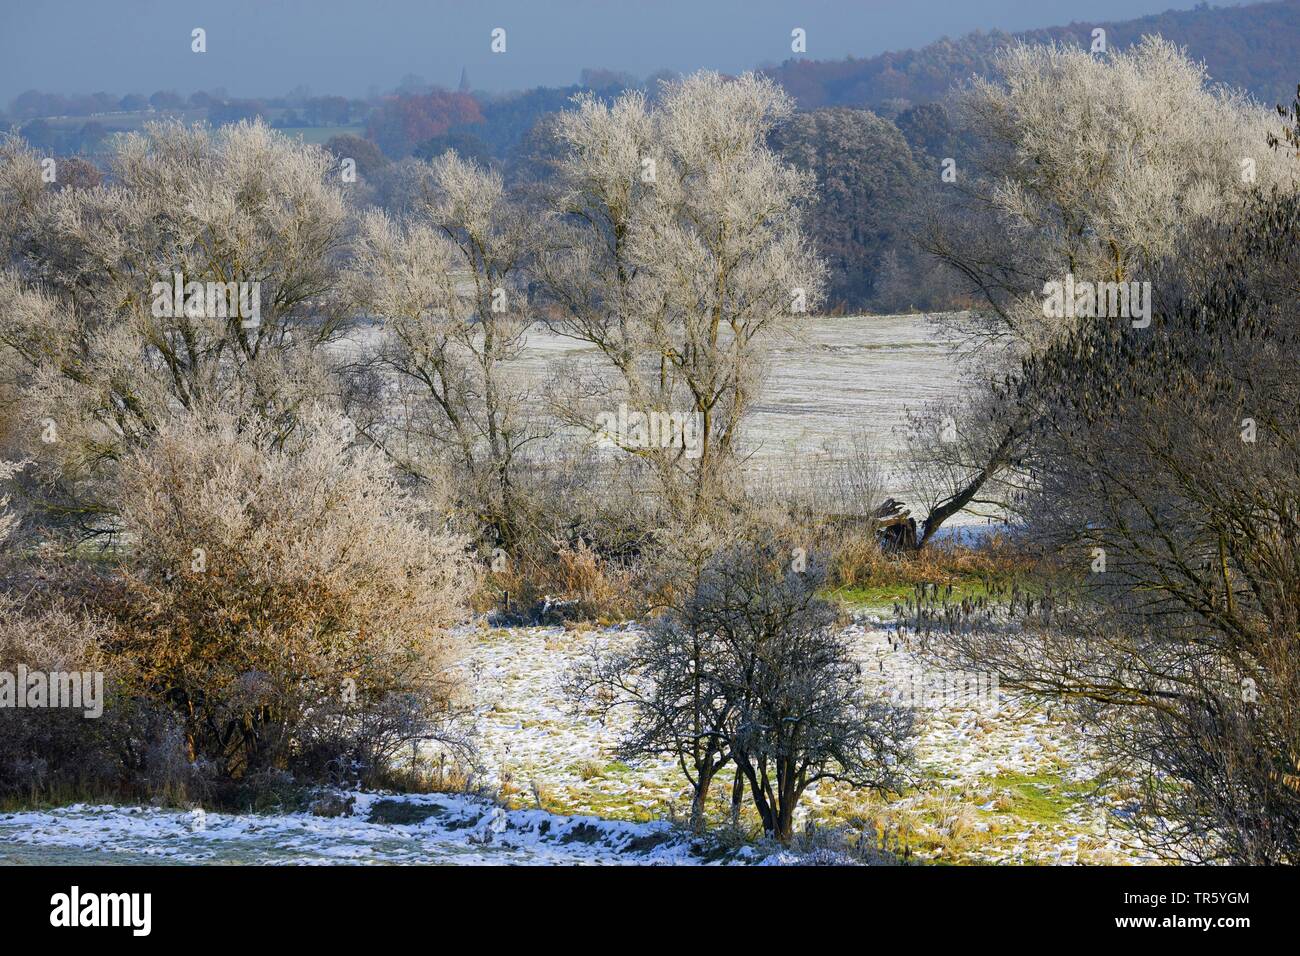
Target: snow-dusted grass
pixel 1004 784
pixel 442 828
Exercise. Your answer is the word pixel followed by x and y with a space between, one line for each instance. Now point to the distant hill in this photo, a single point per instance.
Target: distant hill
pixel 1255 47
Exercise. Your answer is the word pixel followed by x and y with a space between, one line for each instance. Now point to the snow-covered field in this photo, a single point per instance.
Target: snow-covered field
pixel 833 379
pixel 1004 783
pixel 830 382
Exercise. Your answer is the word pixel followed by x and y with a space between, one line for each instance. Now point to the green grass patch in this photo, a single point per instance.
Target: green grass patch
pixel 1042 798
pixel 887 593
pixel 606 806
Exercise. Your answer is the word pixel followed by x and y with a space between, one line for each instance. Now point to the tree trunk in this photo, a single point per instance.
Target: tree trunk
pixel 787 798
pixel 700 797
pixel 766 812
pixel 737 797
pixel 784 829
pixel 960 499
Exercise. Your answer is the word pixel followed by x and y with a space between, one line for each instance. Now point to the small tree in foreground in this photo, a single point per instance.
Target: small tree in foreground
pixel 801 712
pixel 664 677
pixel 752 669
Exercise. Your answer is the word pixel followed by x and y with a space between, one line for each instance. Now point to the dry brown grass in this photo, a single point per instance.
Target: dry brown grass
pixel 858 563
pixel 599 589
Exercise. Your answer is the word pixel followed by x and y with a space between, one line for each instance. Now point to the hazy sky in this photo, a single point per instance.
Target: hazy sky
pixel 267 47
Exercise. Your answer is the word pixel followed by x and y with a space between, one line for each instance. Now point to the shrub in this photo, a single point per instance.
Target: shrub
pixel 50 751
pixel 285 597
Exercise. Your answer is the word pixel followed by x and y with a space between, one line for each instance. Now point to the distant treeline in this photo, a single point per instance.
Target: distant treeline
pixel 875 131
pixel 80 125
pixel 1255 47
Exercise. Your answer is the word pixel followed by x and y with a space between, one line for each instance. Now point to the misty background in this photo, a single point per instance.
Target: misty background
pixel 355 48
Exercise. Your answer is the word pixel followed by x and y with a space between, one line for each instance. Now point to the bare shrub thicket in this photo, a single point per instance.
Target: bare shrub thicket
pixel 828 499
pixel 285 596
pixel 1166 488
pixel 53 750
pixel 8 518
pixel 752 670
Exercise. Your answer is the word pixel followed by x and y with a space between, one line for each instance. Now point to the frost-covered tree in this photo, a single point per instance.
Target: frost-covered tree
pixel 1098 166
pixel 101 357
pixel 679 256
pixel 21 188
pixel 1095 167
pixel 446 283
